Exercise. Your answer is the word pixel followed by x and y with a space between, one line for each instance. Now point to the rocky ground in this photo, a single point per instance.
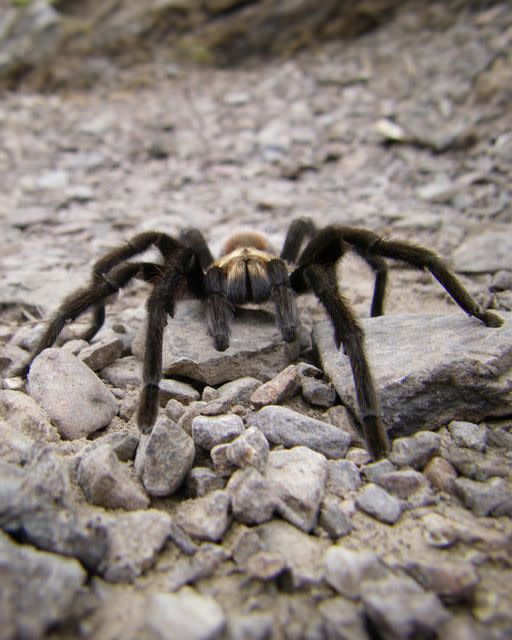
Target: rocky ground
pixel 253 509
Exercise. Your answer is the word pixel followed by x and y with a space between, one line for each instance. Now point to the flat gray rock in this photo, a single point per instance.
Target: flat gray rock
pixel 303 553
pixel 107 482
pixel 400 609
pixel 184 615
pixel 24 415
pixel 38 589
pixel 205 518
pixel 298 476
pixel 256 347
pixel 379 504
pixel 428 369
pixel 281 425
pixel 135 540
pixel 76 400
pixel 346 569
pixel 209 431
pixel 485 253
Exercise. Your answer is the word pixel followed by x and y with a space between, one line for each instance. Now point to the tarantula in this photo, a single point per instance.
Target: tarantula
pixel 248 271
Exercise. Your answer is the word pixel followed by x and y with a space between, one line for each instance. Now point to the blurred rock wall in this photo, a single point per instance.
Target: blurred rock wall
pixel 49 42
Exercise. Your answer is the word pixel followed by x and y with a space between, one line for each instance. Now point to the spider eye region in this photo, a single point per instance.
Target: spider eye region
pixel 247 278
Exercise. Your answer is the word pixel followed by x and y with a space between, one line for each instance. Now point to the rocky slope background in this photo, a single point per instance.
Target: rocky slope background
pixel 253 509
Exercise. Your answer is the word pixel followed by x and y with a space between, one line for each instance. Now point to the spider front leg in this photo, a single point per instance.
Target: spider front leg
pixel 321 279
pixel 182 274
pixel 220 310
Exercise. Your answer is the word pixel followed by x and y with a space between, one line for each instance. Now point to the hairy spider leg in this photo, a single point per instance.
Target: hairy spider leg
pixel 421 258
pixel 92 296
pixel 219 310
pixel 316 272
pixel 194 239
pixel 300 230
pixel 324 243
pixel 182 273
pixel 347 331
pixel 136 245
pixel 283 298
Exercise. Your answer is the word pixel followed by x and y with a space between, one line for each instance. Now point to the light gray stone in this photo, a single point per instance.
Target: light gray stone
pixel 184 615
pixel 250 449
pixel 334 519
pixel 221 463
pixel 76 400
pixel 174 410
pixel 201 564
pixel 124 372
pixel 237 391
pixel 343 619
pixel 378 503
pixel 415 451
pixel 346 570
pixel 209 431
pixel 124 443
pixel 26 416
pixel 411 357
pixel 467 434
pixel 343 477
pixel 401 610
pixel 281 425
pixel 407 484
pixel 256 625
pixel 103 353
pixel 492 498
pixel 303 553
pixel 298 476
pixel 175 390
pixel 317 392
pixel 453 581
pixel 135 540
pixel 38 589
pixel 15 447
pixel 202 480
pixel 164 458
pixel 207 517
pixel 375 470
pixel 253 498
pixel 285 385
pixel 487 252
pixel 265 565
pixel 256 347
pixel 107 483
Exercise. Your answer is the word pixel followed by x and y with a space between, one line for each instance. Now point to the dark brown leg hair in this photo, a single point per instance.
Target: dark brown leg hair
pixel 283 298
pixel 182 273
pixel 194 239
pixel 219 310
pixel 136 245
pixel 333 241
pixel 347 331
pixel 422 258
pixel 83 299
pixel 300 230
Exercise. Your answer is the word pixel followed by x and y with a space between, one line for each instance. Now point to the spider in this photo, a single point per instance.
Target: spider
pixel 248 271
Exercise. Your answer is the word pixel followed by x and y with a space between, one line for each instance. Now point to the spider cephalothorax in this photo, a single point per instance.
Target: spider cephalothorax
pixel 248 271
